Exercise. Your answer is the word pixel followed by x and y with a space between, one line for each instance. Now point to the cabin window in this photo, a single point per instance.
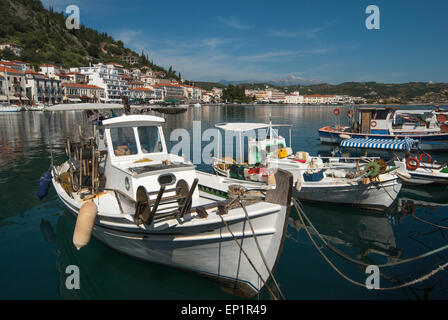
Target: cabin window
pixel 381 114
pixel 274 147
pixel 150 140
pixel 123 141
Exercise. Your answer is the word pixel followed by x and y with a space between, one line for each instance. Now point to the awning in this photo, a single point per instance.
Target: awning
pixel 389 144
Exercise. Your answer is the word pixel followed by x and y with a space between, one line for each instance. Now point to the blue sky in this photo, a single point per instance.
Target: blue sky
pixel 324 41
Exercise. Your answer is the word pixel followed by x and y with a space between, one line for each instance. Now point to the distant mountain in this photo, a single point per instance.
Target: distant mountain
pixel 45 39
pixel 291 80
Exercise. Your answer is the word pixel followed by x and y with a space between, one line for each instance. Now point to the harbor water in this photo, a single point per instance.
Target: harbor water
pixel 36 236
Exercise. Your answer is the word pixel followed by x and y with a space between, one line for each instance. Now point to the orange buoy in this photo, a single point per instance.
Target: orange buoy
pixel 350 113
pixel 337 111
pixel 84 224
pixel 425 155
pixel 412 163
pixel 373 123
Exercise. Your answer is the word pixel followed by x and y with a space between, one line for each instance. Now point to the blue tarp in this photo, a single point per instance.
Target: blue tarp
pixel 390 144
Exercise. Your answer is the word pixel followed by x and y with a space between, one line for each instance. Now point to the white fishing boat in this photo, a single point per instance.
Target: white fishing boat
pixel 424 170
pixel 131 194
pixel 372 187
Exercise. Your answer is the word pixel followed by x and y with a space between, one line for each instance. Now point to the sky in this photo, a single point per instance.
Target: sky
pixel 317 41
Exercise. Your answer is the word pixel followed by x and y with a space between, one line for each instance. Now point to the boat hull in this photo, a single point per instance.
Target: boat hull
pixel 426 141
pixel 206 247
pixel 372 196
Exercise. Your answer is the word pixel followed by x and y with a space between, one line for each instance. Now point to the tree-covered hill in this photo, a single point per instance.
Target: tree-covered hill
pixel 45 39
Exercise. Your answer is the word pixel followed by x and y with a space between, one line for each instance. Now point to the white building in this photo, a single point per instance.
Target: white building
pixel 16 48
pixel 49 70
pixel 40 88
pixel 109 79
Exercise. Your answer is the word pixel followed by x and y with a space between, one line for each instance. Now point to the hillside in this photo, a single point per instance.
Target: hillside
pixel 45 39
pixel 412 92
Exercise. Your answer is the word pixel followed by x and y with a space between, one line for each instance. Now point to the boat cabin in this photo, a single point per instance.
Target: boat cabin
pixel 137 155
pixel 388 121
pixel 263 142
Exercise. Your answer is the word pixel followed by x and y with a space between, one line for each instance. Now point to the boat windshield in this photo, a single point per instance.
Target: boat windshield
pixel 123 141
pixel 150 140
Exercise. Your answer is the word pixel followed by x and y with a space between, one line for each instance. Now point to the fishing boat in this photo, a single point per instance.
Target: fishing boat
pixel 127 191
pixel 423 170
pixel 428 128
pixel 373 187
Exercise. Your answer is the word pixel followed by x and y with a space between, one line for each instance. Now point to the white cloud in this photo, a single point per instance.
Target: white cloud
pixel 235 23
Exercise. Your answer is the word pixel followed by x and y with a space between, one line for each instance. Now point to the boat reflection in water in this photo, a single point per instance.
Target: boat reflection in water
pixel 107 274
pixel 365 232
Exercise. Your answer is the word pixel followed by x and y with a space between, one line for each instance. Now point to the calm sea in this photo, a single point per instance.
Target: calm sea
pixel 36 236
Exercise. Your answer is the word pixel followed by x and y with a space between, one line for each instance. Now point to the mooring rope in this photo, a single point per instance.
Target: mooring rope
pixel 391 264
pixel 422 278
pixel 260 251
pixel 429 223
pixel 248 259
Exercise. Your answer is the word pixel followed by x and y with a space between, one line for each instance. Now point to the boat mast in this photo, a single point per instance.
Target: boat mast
pixel 7 86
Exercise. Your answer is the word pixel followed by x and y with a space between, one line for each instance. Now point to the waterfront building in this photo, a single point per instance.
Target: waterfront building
pixel 49 70
pixel 171 91
pixel 318 99
pixel 263 95
pixel 79 92
pixel 192 92
pixel 293 98
pixel 14 47
pixel 41 88
pixel 15 84
pixel 141 95
pixel 109 79
pixel 277 96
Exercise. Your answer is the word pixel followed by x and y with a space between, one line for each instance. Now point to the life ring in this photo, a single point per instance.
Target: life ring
pixel 350 114
pixel 427 156
pixel 373 123
pixel 441 118
pixel 408 208
pixel 412 163
pixel 337 111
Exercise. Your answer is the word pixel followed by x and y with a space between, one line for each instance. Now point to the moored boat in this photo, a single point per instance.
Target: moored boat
pixel 427 127
pixel 374 188
pixel 154 206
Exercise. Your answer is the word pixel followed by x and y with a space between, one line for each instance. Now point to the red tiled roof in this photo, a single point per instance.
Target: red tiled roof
pixel 80 85
pixel 9 70
pixel 11 44
pixel 9 63
pixel 141 89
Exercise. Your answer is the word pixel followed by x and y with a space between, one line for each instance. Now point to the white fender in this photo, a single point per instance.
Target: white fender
pixel 84 224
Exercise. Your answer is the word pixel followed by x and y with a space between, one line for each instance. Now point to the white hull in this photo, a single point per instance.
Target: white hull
pixel 374 196
pixel 203 246
pixel 426 174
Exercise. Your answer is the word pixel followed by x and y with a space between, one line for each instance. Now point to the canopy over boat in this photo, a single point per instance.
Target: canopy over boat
pixel 390 144
pixel 245 126
pixel 133 121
